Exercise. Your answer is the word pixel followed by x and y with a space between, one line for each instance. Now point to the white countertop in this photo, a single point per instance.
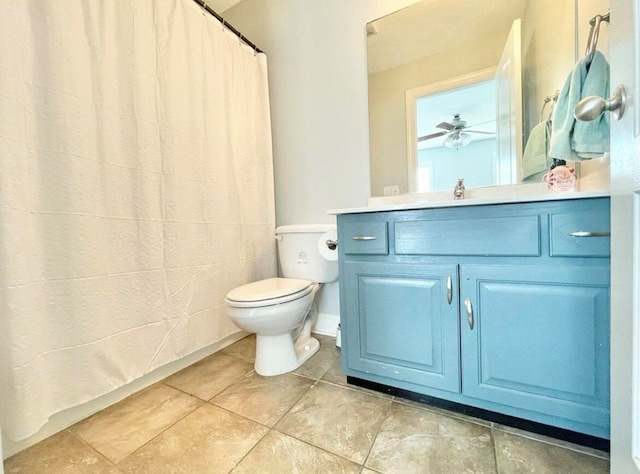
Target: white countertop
pixel 473 197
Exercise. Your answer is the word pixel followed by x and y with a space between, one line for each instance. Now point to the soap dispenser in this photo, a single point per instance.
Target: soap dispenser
pixel 560 178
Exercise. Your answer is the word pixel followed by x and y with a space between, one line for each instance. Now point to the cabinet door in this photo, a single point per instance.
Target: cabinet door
pixel 402 322
pixel 540 339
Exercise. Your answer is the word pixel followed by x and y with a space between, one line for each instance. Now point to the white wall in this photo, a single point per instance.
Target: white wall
pixel 548 54
pixel 318 87
pixel 318 83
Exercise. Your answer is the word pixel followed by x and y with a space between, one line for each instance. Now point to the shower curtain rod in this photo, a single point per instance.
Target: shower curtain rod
pixel 206 7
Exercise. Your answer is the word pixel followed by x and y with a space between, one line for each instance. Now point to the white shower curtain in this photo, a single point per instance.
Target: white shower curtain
pixel 136 190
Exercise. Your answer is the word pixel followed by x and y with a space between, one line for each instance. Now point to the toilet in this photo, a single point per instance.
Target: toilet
pixel 281 311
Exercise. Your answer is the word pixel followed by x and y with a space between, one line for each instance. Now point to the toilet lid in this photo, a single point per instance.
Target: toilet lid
pixel 269 289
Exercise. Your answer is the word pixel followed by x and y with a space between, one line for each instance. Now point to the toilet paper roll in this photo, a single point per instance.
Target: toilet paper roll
pixel 331 255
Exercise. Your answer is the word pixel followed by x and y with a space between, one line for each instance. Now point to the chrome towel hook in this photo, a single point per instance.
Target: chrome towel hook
pixel 594 33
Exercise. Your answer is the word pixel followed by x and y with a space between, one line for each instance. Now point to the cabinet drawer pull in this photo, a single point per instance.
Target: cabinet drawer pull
pixel 449 290
pixel 364 237
pixel 467 303
pixel 582 233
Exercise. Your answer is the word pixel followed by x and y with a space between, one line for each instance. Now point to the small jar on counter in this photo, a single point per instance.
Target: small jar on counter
pixel 560 178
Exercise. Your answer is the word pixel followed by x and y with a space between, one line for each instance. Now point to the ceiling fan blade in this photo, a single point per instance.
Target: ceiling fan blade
pixel 481 123
pixel 433 135
pixel 478 131
pixel 446 125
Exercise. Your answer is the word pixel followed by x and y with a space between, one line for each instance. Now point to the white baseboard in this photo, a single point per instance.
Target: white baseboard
pixel 327 324
pixel 66 418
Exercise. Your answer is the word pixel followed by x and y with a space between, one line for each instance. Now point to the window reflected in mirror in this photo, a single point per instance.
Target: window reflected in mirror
pixel 456 132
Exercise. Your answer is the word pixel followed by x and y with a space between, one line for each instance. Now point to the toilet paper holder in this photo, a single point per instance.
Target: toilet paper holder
pixel 332 244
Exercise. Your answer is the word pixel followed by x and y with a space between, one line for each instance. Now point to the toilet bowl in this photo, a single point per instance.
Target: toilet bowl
pixel 273 309
pixel 281 311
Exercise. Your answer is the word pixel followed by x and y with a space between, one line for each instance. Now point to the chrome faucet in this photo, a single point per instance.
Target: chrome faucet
pixel 458 191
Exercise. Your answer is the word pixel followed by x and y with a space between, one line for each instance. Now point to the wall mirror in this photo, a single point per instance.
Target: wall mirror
pixel 441 75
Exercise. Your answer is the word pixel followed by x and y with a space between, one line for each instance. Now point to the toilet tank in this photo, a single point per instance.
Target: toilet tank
pixel 303 253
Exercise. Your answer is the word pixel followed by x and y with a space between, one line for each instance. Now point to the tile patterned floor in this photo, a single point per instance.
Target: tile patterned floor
pixel 219 416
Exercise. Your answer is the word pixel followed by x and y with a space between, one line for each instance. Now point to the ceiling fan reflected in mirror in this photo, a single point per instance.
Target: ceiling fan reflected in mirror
pixel 457 131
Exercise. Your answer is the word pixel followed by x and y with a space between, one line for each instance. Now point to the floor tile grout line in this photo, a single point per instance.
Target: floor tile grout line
pixel 252 448
pixel 489 424
pixel 238 414
pixel 222 351
pixel 271 428
pixel 209 402
pixel 495 447
pixel 248 374
pixel 445 412
pixel 90 446
pixel 368 468
pixel 349 387
pixel 275 428
pixel 304 376
pixel 386 416
pixel 164 381
pixel 552 442
pixel 161 432
pixel 183 391
pixel 161 382
pixel 294 405
pixel 316 446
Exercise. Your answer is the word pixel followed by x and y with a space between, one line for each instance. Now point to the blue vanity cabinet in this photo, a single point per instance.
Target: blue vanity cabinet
pixel 404 322
pixel 537 338
pixel 501 307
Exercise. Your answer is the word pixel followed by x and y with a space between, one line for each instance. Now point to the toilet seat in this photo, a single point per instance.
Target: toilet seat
pixel 269 292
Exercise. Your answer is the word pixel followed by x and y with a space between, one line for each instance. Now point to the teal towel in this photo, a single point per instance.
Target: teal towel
pixel 535 161
pixel 573 139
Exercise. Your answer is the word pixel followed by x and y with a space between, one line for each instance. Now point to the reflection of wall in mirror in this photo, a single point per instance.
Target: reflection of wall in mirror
pixel 595 171
pixel 549 51
pixel 548 54
pixel 387 127
pixel 445 165
pixel 587 9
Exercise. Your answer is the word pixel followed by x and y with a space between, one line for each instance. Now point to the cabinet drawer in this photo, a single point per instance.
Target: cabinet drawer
pixel 365 238
pixel 506 236
pixel 581 233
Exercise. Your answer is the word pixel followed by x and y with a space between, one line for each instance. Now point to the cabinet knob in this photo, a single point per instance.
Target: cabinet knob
pixel 467 303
